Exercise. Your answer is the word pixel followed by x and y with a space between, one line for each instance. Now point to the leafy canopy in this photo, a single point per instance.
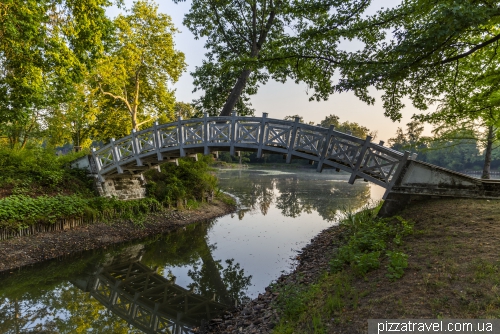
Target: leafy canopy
pixel 248 42
pixel 141 63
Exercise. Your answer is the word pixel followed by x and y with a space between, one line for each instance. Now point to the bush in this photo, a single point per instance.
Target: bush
pixel 19 212
pixel 39 187
pixel 189 181
pixel 40 171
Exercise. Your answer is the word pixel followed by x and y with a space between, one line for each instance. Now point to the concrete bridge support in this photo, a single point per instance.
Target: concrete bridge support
pixel 422 181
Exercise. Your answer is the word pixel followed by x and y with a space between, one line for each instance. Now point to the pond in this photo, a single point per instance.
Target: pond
pixel 176 282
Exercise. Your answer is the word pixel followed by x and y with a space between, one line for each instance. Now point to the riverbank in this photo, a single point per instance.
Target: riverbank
pixel 23 251
pixel 453 272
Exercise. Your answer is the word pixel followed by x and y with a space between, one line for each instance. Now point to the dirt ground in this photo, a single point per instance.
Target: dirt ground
pixel 28 250
pixel 453 272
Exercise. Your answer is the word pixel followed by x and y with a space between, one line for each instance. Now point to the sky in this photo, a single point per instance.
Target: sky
pixel 280 100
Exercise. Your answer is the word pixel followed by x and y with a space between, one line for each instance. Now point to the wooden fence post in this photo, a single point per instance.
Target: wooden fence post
pixel 158 141
pixel 136 147
pixel 232 134
pixel 291 143
pixel 262 134
pixel 326 146
pixel 361 157
pixel 116 156
pixel 206 137
pixel 180 137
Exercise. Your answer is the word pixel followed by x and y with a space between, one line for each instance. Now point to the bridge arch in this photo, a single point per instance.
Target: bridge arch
pixel 327 147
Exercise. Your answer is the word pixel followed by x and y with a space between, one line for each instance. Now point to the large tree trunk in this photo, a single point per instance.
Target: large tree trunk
pixel 487 153
pixel 235 93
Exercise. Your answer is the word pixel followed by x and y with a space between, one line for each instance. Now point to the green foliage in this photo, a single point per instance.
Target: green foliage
pixel 19 212
pixel 249 42
pixel 40 171
pixel 46 47
pixel 368 238
pixel 293 299
pixel 354 128
pixel 43 209
pixel 398 262
pixel 422 49
pixel 141 62
pixel 189 181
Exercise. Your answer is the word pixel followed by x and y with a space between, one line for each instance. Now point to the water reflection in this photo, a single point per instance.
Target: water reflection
pixel 129 290
pixel 295 193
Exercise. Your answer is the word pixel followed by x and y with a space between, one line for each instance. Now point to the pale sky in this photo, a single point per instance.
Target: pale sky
pixel 280 100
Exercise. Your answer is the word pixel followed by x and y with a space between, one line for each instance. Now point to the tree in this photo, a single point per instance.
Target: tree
pixel 456 154
pixel 45 46
pixel 410 51
pixel 348 127
pixel 442 52
pixel 470 104
pixel 73 121
pixel 243 39
pixel 141 62
pixel 411 140
pixel 186 110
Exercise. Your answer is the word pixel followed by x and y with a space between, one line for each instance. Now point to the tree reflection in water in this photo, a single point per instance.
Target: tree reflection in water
pixel 327 193
pixel 51 299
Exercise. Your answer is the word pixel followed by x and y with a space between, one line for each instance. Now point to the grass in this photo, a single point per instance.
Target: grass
pixel 447 268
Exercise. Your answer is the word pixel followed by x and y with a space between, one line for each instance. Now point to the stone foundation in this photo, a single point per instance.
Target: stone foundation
pixel 124 188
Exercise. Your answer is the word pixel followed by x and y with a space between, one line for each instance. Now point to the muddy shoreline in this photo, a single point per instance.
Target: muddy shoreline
pixel 24 251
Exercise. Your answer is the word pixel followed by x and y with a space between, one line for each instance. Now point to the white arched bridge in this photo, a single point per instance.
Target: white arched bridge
pixel 146 149
pixel 397 172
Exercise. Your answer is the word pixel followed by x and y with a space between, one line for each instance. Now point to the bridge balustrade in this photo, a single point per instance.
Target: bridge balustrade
pixel 327 147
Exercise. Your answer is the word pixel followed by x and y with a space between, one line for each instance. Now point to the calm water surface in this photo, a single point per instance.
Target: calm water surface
pixel 176 281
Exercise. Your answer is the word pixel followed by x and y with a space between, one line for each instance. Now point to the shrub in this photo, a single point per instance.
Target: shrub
pixel 189 181
pixel 19 212
pixel 40 171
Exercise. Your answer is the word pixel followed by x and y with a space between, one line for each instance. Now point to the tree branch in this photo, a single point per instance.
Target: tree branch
pixel 116 97
pixel 471 51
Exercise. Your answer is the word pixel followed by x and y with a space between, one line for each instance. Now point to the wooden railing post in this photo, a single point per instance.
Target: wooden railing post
pixel 291 142
pixel 401 166
pixel 232 134
pixel 116 156
pixel 206 137
pixel 136 148
pixel 326 145
pixel 97 164
pixel 262 134
pixel 180 137
pixel 361 157
pixel 158 143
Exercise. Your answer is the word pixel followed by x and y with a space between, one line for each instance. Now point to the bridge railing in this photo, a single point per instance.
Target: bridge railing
pixel 326 146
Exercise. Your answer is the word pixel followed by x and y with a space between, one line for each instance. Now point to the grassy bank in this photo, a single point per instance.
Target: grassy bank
pixel 38 187
pixel 439 259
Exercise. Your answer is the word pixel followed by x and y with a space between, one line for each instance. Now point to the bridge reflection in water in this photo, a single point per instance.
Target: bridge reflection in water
pixel 147 300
